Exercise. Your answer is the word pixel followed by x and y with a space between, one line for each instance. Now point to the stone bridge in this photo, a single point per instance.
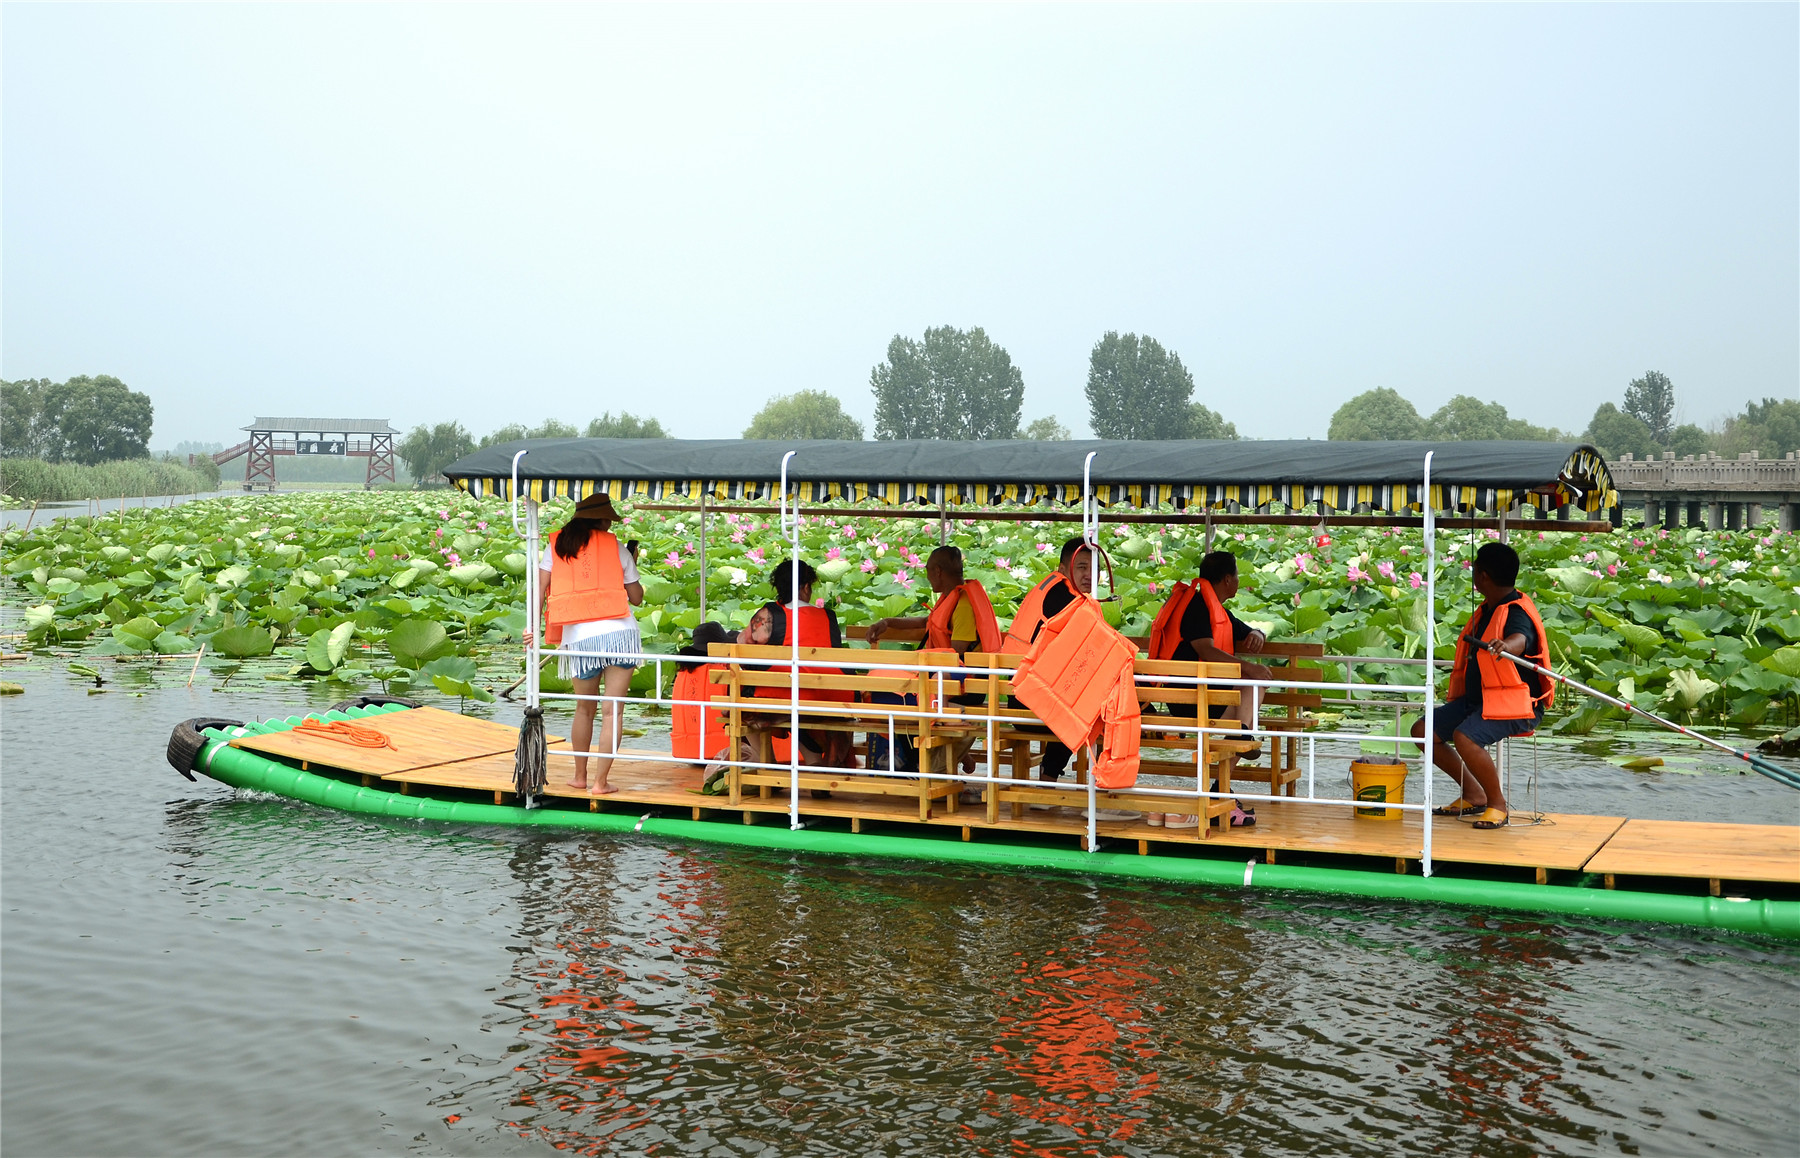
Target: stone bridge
pixel 1718 493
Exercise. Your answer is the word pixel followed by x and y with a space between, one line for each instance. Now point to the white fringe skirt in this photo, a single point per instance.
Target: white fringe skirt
pixel 599 652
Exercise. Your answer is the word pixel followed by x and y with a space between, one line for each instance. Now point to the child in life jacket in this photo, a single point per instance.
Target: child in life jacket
pixel 1490 697
pixel 697 732
pixel 792 613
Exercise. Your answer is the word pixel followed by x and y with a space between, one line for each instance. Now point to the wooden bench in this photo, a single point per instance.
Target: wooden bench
pixel 1015 737
pixel 753 719
pixel 1299 662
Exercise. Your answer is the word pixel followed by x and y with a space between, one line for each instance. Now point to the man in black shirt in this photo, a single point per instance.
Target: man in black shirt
pixel 1219 568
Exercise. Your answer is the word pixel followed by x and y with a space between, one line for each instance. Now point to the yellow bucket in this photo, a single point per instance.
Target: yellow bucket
pixel 1381 783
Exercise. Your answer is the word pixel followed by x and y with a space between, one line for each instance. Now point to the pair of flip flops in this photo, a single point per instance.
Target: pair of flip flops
pixel 1485 818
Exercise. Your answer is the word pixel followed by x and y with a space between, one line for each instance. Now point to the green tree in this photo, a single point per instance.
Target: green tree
pixel 553 428
pixel 954 384
pixel 1467 419
pixel 511 432
pixel 24 432
pixel 1651 400
pixel 1046 429
pixel 1614 432
pixel 97 419
pixel 1770 428
pixel 804 414
pixel 626 425
pixel 1137 389
pixel 1205 423
pixel 1688 439
pixel 1522 431
pixel 428 450
pixel 1374 416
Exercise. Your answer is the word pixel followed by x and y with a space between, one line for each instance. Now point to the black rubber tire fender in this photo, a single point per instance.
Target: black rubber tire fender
pixel 186 741
pixel 373 702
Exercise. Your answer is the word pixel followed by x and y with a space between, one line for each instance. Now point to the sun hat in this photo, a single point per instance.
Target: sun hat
pixel 596 506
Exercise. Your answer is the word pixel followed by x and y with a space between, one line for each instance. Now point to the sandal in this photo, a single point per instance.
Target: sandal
pixel 1242 817
pixel 1492 818
pixel 1459 807
pixel 1153 819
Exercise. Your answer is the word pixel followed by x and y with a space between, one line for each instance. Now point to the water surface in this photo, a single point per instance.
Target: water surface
pixel 188 970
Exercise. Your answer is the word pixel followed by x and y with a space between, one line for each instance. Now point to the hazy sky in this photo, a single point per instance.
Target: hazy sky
pixel 498 214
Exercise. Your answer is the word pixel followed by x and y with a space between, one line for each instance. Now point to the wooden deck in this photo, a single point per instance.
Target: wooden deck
pixel 1705 851
pixel 439 748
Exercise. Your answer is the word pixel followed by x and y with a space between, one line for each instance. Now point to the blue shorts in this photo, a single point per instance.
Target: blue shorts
pixel 1465 716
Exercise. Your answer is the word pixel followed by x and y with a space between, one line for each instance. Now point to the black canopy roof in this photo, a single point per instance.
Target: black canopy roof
pixel 1476 477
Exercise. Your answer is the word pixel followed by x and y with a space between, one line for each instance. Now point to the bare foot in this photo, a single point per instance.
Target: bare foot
pixel 602 789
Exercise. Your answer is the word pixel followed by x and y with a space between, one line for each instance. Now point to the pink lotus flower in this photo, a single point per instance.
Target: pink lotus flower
pixel 1593 556
pixel 1637 542
pixel 913 560
pixel 673 560
pixel 689 547
pixel 902 578
pixel 737 536
pixel 1386 569
pixel 1003 563
pixel 455 559
pixel 1042 547
pixel 866 566
pixel 1417 580
pixel 756 556
pixel 1612 568
pixel 371 552
pixel 1151 587
pixel 1303 563
pixel 819 602
pixel 481 526
pixel 1354 573
pixel 834 553
pixel 443 514
pixel 848 532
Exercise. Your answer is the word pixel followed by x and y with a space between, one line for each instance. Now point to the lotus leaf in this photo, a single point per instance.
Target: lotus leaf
pixel 513 564
pixel 62 586
pixel 1642 640
pixel 833 570
pixel 116 554
pixel 1134 548
pixel 243 642
pixel 1578 580
pixel 161 553
pixel 1687 688
pixel 472 574
pixel 413 642
pixel 232 576
pixel 1786 662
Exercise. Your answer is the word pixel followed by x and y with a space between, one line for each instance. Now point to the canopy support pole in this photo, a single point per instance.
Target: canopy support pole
pixel 792 529
pixel 1209 529
pixel 943 519
pixel 1090 534
pixel 1502 520
pixel 1430 738
pixel 703 552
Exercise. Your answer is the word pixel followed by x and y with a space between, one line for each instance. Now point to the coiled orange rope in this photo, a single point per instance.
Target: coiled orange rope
pixel 345 732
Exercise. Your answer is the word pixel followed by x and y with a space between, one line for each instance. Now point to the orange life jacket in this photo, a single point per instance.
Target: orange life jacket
pixel 695 684
pixel 1077 678
pixel 1504 693
pixel 1165 633
pixel 1031 615
pixel 815 631
pixel 588 587
pixel 987 628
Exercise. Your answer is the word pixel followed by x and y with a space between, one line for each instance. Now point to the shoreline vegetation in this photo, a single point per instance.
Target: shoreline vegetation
pixel 34 480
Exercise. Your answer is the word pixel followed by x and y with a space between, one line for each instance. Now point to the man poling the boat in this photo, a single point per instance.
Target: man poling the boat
pixel 1489 698
pixel 590 586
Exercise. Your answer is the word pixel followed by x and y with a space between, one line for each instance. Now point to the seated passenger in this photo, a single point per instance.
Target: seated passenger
pixel 1041 604
pixel 1203 629
pixel 791 613
pixel 962 620
pixel 697 733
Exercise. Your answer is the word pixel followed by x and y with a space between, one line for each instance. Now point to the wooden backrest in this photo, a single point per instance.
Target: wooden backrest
pixel 854 671
pixel 860 632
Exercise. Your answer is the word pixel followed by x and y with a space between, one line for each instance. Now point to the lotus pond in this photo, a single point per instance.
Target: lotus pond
pixel 423 593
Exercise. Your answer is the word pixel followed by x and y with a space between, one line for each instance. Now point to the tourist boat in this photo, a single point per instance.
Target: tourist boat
pixel 394 758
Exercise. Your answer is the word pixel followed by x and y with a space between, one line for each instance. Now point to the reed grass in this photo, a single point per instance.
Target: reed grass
pixel 34 480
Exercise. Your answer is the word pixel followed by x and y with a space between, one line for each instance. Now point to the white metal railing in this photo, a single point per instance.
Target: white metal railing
pixel 790 526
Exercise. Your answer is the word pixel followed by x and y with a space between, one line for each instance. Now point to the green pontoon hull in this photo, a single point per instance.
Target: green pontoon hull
pixel 242 768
